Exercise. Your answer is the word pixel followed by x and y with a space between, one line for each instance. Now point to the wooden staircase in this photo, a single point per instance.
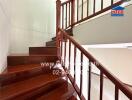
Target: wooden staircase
pixel 26 79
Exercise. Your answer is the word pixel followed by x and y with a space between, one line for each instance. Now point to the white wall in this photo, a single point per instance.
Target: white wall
pixel 105 29
pixel 116 60
pixel 33 23
pixel 25 23
pixel 4 35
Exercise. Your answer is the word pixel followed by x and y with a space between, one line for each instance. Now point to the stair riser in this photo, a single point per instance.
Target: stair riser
pixel 51 43
pixel 43 51
pixel 69 31
pixel 20 76
pixel 22 60
pixel 54 38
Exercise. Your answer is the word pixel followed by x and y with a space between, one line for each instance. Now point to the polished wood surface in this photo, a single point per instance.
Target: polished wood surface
pixel 22 59
pixel 51 43
pixel 43 50
pixel 18 74
pixel 21 68
pixel 62 92
pixel 20 88
pixel 31 81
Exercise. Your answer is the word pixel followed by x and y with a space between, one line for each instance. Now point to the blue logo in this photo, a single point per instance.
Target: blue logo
pixel 117 11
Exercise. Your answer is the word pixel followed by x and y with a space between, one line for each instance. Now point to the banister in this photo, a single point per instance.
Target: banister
pixel 75 9
pixel 115 80
pixel 68 21
pixel 99 12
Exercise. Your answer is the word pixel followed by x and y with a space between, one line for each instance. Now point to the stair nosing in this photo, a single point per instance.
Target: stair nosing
pixel 20 71
pixel 40 55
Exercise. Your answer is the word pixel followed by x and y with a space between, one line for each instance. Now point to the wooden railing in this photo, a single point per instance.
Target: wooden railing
pixel 73 12
pixel 69 14
pixel 66 41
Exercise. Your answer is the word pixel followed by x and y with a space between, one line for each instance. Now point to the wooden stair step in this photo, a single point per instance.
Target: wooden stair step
pixel 51 43
pixel 22 72
pixel 54 38
pixel 21 68
pixel 62 92
pixel 14 60
pixel 17 89
pixel 43 50
pixel 69 31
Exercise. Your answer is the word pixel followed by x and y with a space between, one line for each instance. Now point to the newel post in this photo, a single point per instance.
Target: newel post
pixel 58 18
pixel 58 15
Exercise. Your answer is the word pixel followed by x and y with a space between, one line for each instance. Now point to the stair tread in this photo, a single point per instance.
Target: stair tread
pixel 44 47
pixel 28 85
pixel 21 68
pixel 62 92
pixel 13 55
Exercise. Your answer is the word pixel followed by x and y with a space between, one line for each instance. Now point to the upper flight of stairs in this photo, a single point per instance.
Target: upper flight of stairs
pixel 26 79
pixel 53 41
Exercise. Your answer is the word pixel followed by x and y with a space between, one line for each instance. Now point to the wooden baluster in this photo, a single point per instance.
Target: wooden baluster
pixel 58 15
pixel 58 22
pixel 102 4
pixel 77 10
pixel 61 45
pixel 69 54
pixel 63 17
pixel 89 82
pixel 82 9
pixel 64 53
pixel 81 74
pixel 94 6
pixel 75 50
pixel 116 93
pixel 87 8
pixel 66 16
pixel 61 48
pixel 101 85
pixel 69 13
pixel 72 13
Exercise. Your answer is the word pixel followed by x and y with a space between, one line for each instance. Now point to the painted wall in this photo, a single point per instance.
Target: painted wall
pixel 105 29
pixel 117 61
pixel 25 23
pixel 33 23
pixel 4 35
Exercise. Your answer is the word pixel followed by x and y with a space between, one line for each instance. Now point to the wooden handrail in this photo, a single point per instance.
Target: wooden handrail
pixel 99 12
pixel 65 19
pixel 69 19
pixel 103 69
